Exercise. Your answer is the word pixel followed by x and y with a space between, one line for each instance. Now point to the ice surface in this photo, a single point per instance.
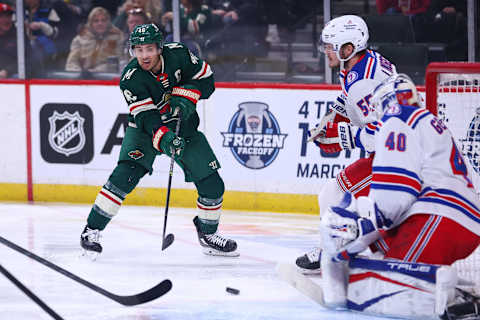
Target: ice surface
pixel 132 261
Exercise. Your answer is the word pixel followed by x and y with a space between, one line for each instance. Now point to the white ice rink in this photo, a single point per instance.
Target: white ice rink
pixel 132 262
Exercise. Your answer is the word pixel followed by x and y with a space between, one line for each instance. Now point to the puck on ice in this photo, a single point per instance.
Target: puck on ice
pixel 233 290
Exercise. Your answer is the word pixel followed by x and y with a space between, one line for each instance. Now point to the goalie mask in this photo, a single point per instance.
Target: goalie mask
pixel 397 90
pixel 343 30
pixel 145 34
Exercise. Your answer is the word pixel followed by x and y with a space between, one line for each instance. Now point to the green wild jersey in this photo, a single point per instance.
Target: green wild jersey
pixel 147 94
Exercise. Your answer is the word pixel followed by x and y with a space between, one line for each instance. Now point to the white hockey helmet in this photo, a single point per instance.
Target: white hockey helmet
pixel 342 30
pixel 394 91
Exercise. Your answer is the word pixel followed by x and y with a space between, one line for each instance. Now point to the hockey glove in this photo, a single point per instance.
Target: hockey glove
pixel 185 98
pixel 167 142
pixel 351 232
pixel 333 138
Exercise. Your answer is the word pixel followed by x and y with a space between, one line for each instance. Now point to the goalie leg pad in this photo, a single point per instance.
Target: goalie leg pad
pixel 334 282
pixel 393 288
pixel 330 195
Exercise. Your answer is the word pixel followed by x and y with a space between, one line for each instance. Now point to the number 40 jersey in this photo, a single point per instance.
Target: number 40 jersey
pixel 418 169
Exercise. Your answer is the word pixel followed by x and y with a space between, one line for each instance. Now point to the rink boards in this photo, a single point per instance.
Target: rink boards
pixel 61 139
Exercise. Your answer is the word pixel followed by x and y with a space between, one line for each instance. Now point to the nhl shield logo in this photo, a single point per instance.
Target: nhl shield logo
pixel 67 133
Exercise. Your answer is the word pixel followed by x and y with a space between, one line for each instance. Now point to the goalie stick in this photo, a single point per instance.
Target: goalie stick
pixel 299 281
pixel 132 300
pixel 29 293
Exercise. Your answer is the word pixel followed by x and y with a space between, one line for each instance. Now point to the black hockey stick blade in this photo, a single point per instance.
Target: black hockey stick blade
pixel 29 293
pixel 146 296
pixel 167 241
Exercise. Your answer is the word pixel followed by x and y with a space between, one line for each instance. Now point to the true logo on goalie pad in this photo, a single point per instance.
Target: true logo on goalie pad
pixel 66 132
pixel 254 135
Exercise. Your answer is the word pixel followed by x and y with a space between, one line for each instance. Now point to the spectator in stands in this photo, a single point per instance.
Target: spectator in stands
pixel 152 8
pixel 241 40
pixel 42 28
pixel 135 17
pixel 73 14
pixel 195 24
pixel 8 48
pixel 111 5
pixel 406 7
pixel 434 21
pixel 98 46
pixel 8 42
pixel 448 20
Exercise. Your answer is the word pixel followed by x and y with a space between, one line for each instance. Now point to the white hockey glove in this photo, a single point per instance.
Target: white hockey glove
pixel 334 137
pixel 351 232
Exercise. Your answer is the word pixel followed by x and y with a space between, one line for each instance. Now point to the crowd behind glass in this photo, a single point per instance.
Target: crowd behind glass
pixel 88 39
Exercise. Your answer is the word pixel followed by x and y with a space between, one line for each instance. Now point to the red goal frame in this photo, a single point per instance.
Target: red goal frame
pixel 431 78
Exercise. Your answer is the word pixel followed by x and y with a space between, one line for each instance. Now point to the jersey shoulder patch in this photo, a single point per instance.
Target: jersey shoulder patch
pixel 363 69
pixel 131 71
pixel 410 115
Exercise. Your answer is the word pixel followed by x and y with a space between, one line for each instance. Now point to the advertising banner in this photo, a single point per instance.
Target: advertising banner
pixel 13 137
pixel 258 135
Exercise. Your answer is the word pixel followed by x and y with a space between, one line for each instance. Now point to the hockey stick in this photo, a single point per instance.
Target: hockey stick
pixel 29 293
pixel 168 240
pixel 146 296
pixel 302 283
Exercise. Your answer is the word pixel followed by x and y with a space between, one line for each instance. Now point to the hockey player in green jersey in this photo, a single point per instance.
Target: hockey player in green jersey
pixel 161 86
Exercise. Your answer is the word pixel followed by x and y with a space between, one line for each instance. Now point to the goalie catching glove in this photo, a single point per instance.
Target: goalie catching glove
pixel 167 142
pixel 333 137
pixel 349 232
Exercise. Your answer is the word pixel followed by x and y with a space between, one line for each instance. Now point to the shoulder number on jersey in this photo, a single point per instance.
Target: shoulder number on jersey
pixel 129 96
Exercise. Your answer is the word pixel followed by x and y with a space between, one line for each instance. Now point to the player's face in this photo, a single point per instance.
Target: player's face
pixel 5 23
pixel 148 55
pixel 333 61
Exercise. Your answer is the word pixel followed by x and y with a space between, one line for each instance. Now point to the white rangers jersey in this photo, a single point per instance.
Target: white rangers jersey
pixel 418 169
pixel 358 85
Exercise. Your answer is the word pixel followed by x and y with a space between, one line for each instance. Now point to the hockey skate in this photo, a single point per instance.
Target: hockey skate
pixel 215 244
pixel 90 242
pixel 309 263
pixel 465 307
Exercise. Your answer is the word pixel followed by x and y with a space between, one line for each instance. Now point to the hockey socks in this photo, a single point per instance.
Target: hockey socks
pixel 106 206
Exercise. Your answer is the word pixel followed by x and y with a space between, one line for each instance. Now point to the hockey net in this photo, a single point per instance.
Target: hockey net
pixel 453 94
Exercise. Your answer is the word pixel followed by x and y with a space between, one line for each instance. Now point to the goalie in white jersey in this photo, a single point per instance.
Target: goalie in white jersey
pixel 352 122
pixel 422 211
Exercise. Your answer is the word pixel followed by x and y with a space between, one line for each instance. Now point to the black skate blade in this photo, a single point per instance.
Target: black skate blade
pixel 167 241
